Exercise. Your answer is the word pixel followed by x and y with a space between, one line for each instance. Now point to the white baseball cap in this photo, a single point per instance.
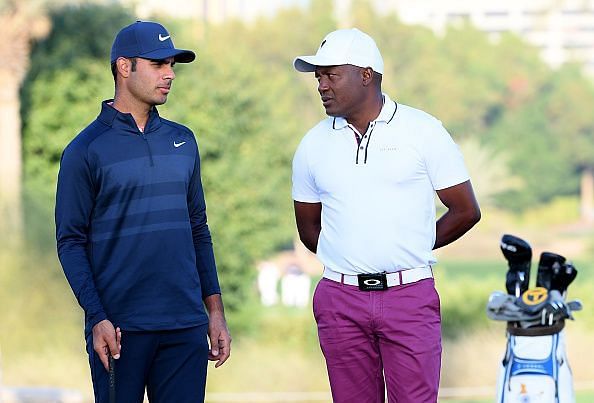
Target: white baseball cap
pixel 344 46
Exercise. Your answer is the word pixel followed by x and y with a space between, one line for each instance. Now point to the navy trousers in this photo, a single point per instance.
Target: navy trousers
pixel 170 364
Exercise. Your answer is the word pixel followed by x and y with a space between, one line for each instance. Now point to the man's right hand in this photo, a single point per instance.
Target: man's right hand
pixel 107 340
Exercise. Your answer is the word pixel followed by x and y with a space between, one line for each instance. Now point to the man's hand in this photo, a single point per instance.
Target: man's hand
pixel 218 334
pixel 220 340
pixel 107 340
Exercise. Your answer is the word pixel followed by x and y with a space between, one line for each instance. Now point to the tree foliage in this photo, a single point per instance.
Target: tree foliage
pixel 548 137
pixel 245 149
pixel 69 73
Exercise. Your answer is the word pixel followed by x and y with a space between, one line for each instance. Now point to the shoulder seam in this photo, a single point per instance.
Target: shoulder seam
pixel 177 126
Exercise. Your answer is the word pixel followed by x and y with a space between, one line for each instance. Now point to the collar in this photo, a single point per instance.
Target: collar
pixel 124 121
pixel 386 114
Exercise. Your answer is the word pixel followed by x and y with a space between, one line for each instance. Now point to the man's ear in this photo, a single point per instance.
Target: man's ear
pixel 124 66
pixel 367 75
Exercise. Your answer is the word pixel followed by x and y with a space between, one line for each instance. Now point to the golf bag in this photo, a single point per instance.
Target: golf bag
pixel 535 368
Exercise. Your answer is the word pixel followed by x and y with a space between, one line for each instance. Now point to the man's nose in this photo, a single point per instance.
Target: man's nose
pixel 322 84
pixel 169 73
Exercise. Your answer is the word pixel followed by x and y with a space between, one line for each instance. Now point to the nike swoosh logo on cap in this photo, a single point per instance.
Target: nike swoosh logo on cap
pixel 163 38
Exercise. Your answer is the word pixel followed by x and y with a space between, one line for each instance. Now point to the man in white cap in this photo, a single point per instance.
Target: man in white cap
pixel 364 183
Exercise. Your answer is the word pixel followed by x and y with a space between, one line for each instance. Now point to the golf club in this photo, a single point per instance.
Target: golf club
pixel 112 394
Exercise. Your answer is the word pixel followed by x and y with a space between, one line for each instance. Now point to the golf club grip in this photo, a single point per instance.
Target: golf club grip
pixel 112 394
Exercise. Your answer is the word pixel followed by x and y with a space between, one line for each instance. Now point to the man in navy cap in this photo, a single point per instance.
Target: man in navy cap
pixel 133 238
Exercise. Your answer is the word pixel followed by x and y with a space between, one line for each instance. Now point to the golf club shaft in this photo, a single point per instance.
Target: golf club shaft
pixel 112 397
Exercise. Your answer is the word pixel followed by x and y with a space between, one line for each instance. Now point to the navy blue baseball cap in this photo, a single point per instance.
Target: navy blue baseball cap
pixel 148 40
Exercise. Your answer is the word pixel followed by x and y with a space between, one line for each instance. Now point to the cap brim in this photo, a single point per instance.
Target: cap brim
pixel 307 64
pixel 179 55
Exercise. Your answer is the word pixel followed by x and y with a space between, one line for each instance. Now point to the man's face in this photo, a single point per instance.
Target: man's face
pixel 340 88
pixel 151 82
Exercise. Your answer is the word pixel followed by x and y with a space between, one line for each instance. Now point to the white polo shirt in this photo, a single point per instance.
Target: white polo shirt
pixel 378 199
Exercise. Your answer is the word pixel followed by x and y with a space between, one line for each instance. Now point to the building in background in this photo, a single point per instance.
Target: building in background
pixel 563 30
pixel 213 11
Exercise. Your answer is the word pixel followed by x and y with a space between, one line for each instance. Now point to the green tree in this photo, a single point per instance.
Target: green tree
pixel 569 109
pixel 21 23
pixel 79 31
pixel 69 74
pixel 533 147
pixel 247 107
pixel 491 173
pixel 243 168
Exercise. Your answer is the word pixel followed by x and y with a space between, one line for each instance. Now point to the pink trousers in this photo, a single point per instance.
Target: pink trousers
pixel 373 340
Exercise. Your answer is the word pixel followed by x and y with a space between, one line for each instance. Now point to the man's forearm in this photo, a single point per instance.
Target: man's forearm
pixel 77 270
pixel 310 240
pixel 308 217
pixel 214 305
pixel 453 225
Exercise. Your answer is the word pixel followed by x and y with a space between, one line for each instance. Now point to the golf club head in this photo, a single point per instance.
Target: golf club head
pixel 554 310
pixel 562 277
pixel 548 264
pixel 518 254
pixel 575 305
pixel 534 300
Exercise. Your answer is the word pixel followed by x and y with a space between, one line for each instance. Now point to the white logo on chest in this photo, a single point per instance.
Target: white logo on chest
pixel 389 148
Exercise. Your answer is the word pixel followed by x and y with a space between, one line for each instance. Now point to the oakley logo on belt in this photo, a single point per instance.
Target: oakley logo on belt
pixel 372 282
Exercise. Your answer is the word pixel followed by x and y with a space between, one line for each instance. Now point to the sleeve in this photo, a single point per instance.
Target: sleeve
pixel 304 184
pixel 443 158
pixel 205 261
pixel 74 204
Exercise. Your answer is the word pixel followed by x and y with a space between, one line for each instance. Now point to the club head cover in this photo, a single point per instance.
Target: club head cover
pixel 548 264
pixel 563 276
pixel 518 254
pixel 516 250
